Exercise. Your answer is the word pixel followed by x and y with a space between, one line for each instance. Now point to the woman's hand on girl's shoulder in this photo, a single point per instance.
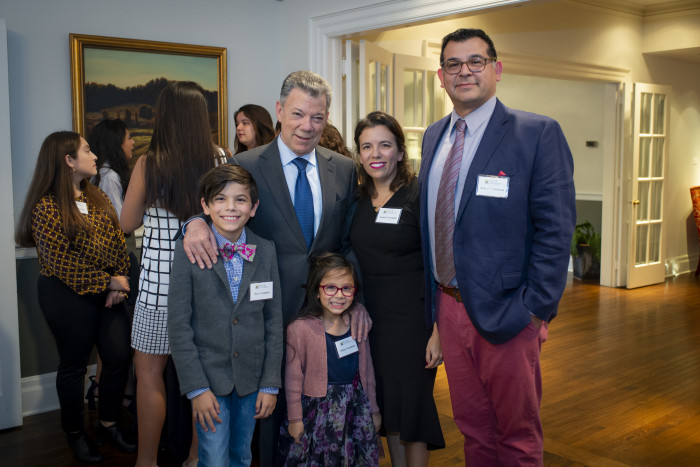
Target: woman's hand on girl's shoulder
pixel 296 429
pixel 360 322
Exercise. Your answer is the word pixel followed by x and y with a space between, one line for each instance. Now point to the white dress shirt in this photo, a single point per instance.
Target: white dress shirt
pixel 291 173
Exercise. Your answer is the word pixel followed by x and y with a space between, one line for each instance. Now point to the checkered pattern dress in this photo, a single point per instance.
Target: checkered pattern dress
pixel 149 333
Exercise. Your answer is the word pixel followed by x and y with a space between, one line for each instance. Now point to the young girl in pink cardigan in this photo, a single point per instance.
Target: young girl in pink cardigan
pixel 329 381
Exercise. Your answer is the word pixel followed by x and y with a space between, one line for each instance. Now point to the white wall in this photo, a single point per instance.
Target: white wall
pixel 39 57
pixel 579 109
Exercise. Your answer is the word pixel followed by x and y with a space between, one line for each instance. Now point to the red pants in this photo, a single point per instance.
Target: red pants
pixel 495 389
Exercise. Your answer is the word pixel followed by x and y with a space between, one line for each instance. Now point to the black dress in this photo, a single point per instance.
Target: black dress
pixel 392 279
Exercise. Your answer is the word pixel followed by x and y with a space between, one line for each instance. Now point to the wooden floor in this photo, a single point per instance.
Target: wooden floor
pixel 621 375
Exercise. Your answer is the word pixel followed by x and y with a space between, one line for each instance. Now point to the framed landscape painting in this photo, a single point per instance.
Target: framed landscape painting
pixel 122 78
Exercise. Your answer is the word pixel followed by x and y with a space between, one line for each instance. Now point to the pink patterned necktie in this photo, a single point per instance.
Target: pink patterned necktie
pixel 445 208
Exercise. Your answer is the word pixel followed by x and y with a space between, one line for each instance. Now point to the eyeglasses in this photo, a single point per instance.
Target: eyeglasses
pixel 331 290
pixel 474 64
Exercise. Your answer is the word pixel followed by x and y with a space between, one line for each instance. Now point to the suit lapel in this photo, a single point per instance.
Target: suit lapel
pixel 496 128
pixel 273 176
pixel 326 174
pixel 220 271
pixel 430 147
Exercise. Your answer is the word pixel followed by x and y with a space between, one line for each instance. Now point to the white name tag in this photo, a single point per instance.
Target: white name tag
pixel 388 216
pixel 260 291
pixel 346 347
pixel 82 207
pixel 492 186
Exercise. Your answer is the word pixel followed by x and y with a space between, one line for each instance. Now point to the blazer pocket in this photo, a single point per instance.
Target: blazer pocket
pixel 511 280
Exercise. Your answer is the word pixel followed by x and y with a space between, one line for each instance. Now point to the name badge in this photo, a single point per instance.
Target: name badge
pixel 260 291
pixel 346 347
pixel 388 216
pixel 492 186
pixel 82 207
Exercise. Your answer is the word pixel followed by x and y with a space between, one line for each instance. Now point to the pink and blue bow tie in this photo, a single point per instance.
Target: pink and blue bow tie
pixel 247 252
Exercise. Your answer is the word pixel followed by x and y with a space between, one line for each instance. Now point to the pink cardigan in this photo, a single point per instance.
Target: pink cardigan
pixel 307 369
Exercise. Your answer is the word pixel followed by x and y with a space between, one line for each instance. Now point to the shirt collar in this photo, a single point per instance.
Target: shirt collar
pixel 221 241
pixel 287 155
pixel 476 118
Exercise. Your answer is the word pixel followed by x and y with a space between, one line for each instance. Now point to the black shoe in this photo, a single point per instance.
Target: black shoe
pixel 84 448
pixel 115 436
pixel 91 394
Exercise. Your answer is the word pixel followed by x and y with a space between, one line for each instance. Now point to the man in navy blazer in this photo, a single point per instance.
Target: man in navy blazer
pixel 496 249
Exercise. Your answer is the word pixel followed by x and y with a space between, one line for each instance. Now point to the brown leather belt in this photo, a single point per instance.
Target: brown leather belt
pixel 452 292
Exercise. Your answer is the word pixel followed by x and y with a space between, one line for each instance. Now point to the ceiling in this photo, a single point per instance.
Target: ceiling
pixel 654 8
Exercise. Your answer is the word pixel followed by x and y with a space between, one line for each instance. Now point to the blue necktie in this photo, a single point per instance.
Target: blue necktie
pixel 304 202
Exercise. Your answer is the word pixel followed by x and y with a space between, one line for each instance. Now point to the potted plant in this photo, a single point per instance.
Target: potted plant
pixel 585 249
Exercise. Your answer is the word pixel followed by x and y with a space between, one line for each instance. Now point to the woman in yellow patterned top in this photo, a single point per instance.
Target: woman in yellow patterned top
pixel 82 284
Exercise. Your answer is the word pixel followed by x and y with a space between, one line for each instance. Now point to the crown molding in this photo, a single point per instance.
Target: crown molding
pixel 535 65
pixel 632 8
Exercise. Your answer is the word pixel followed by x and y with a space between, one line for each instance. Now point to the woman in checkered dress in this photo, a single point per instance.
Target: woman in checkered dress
pixel 163 192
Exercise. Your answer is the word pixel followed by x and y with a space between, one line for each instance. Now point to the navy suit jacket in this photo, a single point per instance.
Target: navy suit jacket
pixel 511 255
pixel 276 219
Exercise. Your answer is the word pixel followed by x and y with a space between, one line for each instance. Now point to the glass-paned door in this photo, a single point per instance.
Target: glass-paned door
pixel 419 100
pixel 376 68
pixel 646 254
pixel 368 83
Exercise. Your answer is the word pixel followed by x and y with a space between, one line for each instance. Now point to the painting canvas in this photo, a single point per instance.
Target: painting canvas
pixel 122 78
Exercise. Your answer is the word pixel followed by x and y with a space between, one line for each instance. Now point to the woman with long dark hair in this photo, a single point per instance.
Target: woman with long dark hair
pixel 164 186
pixel 111 141
pixel 82 283
pixel 113 145
pixel 253 127
pixel 385 236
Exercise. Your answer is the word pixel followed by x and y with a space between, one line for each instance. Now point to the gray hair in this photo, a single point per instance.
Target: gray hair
pixel 311 83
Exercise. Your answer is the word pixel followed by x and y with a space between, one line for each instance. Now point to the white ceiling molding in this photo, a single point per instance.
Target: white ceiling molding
pixel 535 65
pixel 638 8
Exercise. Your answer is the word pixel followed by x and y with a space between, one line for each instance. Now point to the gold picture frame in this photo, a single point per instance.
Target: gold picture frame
pixel 124 77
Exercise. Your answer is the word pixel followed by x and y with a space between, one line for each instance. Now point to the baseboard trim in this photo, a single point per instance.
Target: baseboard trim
pixel 39 392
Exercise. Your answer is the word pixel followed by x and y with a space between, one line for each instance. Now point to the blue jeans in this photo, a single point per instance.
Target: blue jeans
pixel 229 446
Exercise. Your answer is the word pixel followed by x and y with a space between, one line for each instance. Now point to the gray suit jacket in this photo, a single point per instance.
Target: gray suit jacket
pixel 276 219
pixel 220 344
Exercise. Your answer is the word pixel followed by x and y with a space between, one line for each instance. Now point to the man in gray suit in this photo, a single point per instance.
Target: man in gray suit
pixel 325 179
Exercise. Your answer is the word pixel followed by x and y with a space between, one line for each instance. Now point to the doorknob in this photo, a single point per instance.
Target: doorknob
pixel 635 202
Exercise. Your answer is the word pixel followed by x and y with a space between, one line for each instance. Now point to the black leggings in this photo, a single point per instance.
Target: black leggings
pixel 79 322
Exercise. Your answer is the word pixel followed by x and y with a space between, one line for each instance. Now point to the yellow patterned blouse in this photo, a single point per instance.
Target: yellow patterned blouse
pixel 81 264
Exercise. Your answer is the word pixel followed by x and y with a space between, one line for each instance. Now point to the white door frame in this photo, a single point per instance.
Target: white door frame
pixel 10 387
pixel 325 58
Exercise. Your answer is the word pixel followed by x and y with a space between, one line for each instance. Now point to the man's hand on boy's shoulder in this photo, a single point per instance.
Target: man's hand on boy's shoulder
pixel 199 243
pixel 265 404
pixel 205 410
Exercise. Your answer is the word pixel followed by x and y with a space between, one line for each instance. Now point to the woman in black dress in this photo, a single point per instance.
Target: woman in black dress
pixel 385 236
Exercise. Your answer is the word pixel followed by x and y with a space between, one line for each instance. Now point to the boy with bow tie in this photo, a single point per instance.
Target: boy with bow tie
pixel 225 323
